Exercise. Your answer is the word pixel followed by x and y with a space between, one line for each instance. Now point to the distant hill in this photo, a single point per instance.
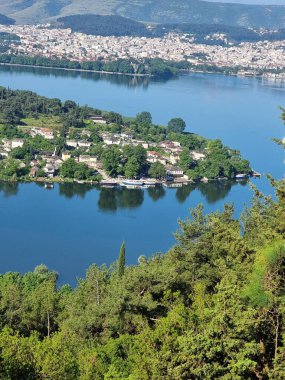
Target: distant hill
pixel 209 33
pixel 155 11
pixel 4 20
pixel 103 25
pixel 203 33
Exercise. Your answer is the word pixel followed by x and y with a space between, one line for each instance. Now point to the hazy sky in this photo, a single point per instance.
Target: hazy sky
pixel 267 2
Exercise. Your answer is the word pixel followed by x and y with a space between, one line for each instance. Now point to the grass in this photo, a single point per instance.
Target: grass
pixel 43 121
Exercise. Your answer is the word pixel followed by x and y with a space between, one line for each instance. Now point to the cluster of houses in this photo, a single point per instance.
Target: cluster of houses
pixel 46 133
pixel 166 152
pixel 7 145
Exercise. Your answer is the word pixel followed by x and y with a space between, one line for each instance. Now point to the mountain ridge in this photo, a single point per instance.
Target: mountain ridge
pixel 153 11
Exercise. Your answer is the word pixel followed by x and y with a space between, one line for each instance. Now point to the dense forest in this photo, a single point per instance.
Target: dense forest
pixel 212 307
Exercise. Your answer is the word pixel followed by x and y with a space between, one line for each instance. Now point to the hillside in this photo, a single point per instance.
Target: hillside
pixel 4 20
pixel 103 25
pixel 156 11
pixel 203 33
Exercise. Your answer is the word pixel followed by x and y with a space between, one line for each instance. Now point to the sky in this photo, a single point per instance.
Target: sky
pixel 267 2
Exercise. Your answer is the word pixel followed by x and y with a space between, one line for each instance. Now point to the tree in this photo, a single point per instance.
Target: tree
pixel 132 167
pixel 68 168
pixel 111 159
pixel 176 125
pixel 185 160
pixel 114 117
pixel 10 168
pixel 72 169
pixel 122 260
pixel 157 170
pixel 144 118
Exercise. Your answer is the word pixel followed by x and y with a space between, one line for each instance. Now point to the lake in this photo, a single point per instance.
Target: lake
pixel 72 226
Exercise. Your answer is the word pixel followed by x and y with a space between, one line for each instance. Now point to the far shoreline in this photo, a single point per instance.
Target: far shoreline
pixel 265 75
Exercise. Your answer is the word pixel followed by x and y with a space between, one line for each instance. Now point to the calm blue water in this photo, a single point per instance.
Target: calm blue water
pixel 70 227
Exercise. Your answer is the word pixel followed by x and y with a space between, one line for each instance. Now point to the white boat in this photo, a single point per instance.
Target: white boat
pixel 241 176
pixel 132 182
pixel 255 174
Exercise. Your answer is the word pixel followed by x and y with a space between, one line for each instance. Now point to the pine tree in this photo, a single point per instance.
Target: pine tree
pixel 122 260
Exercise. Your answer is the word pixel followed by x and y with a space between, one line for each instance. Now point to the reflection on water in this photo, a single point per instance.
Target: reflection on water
pixel 215 191
pixel 70 190
pixel 9 188
pixel 112 199
pixel 156 192
pixel 119 80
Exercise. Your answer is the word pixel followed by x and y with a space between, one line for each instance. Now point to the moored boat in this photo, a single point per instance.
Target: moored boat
pixel 241 176
pixel 255 174
pixel 132 182
pixel 109 184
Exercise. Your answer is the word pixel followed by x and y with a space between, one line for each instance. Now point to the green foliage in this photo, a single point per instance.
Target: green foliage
pixel 72 169
pixel 144 118
pixel 267 273
pixel 157 170
pixel 136 160
pixel 11 168
pixel 122 260
pixel 176 125
pixel 185 160
pixel 111 159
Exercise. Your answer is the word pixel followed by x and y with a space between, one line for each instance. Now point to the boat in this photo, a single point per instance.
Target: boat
pixel 132 182
pixel 108 184
pixel 241 176
pixel 255 174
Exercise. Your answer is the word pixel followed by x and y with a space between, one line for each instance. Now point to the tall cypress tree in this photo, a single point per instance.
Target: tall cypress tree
pixel 122 260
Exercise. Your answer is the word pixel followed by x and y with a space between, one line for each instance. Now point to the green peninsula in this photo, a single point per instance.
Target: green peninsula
pixel 46 139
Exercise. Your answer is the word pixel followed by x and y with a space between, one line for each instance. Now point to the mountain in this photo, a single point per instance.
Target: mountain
pixel 103 25
pixel 4 20
pixel 203 33
pixel 154 11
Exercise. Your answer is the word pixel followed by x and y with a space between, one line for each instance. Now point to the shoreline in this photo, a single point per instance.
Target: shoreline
pixel 79 70
pixel 266 75
pixel 118 182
